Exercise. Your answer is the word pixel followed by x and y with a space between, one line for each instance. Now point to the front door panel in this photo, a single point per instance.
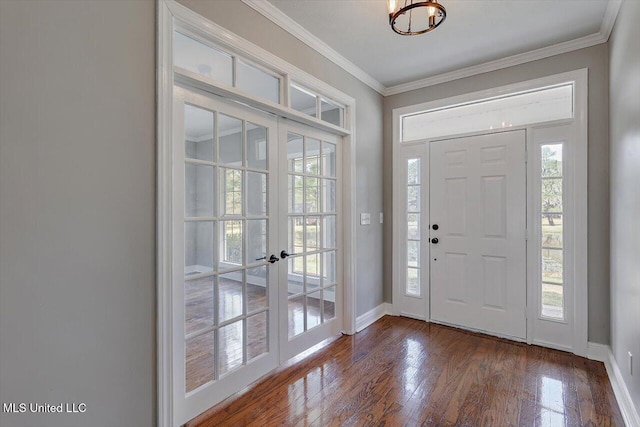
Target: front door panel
pixel 477 232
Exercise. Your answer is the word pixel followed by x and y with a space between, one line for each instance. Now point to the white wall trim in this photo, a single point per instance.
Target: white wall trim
pixel 279 18
pixel 276 16
pixel 372 316
pixel 603 353
pixel 599 352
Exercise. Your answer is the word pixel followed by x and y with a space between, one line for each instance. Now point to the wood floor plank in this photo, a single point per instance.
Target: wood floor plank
pixel 404 372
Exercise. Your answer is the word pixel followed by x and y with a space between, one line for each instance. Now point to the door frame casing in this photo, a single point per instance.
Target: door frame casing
pixel 577 183
pixel 172 15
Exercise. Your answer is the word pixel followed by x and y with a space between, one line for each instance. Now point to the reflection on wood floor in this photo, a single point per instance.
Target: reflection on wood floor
pixel 403 372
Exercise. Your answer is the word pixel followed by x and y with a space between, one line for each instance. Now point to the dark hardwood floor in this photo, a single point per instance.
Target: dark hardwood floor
pixel 403 372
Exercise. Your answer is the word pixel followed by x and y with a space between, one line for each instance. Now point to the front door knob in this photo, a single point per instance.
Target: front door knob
pixel 435 240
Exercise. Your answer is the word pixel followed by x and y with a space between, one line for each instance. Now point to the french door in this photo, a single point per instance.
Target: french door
pixel 310 202
pixel 255 246
pixel 477 232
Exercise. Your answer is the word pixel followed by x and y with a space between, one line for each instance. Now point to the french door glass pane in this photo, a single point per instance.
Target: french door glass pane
pixel 230 140
pixel 231 347
pixel 295 276
pixel 257 335
pixel 198 129
pixel 198 298
pixel 231 242
pixel 312 266
pixel 256 194
pixel 328 304
pixel 295 149
pixel 313 309
pixel 198 245
pixel 296 310
pixel 200 362
pixel 257 286
pixel 312 233
pixel 230 296
pixel 256 146
pixel 312 156
pixel 296 234
pixel 312 194
pixel 231 187
pixel 296 194
pixel 329 232
pixel 329 268
pixel 256 240
pixel 328 159
pixel 199 190
pixel 328 195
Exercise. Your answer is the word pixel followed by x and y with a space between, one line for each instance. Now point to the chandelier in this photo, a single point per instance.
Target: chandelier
pixel 410 18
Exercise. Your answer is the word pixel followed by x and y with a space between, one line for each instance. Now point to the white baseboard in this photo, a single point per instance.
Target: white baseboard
pixel 372 315
pixel 603 353
pixel 599 352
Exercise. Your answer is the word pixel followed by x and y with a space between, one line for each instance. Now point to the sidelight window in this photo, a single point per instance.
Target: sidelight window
pixel 551 217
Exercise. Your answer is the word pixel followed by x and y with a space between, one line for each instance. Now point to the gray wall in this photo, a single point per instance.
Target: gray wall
pixel 77 211
pixel 249 24
pixel 624 116
pixel 594 58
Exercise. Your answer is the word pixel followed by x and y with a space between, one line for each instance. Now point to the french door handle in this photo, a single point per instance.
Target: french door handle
pixel 284 254
pixel 273 259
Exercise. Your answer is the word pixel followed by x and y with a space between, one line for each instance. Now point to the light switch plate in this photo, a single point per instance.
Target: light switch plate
pixel 381 217
pixel 365 219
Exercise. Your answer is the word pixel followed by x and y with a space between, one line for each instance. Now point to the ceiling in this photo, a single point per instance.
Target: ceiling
pixel 475 32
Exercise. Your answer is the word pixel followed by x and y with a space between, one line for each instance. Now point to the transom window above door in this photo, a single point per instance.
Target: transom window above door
pixel 499 112
pixel 229 69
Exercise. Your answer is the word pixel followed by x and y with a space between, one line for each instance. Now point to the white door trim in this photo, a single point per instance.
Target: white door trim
pixel 169 14
pixel 579 134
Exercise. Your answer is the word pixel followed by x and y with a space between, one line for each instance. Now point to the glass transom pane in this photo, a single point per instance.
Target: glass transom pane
pixel 331 113
pixel 258 82
pixel 195 56
pixel 302 100
pixel 537 106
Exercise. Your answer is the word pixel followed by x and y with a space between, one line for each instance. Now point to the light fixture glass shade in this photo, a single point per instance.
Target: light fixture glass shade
pixel 409 17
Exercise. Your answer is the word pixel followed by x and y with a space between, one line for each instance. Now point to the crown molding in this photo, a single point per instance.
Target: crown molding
pixel 276 16
pixel 609 19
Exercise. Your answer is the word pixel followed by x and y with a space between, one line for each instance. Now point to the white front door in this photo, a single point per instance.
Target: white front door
pixel 477 232
pixel 225 229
